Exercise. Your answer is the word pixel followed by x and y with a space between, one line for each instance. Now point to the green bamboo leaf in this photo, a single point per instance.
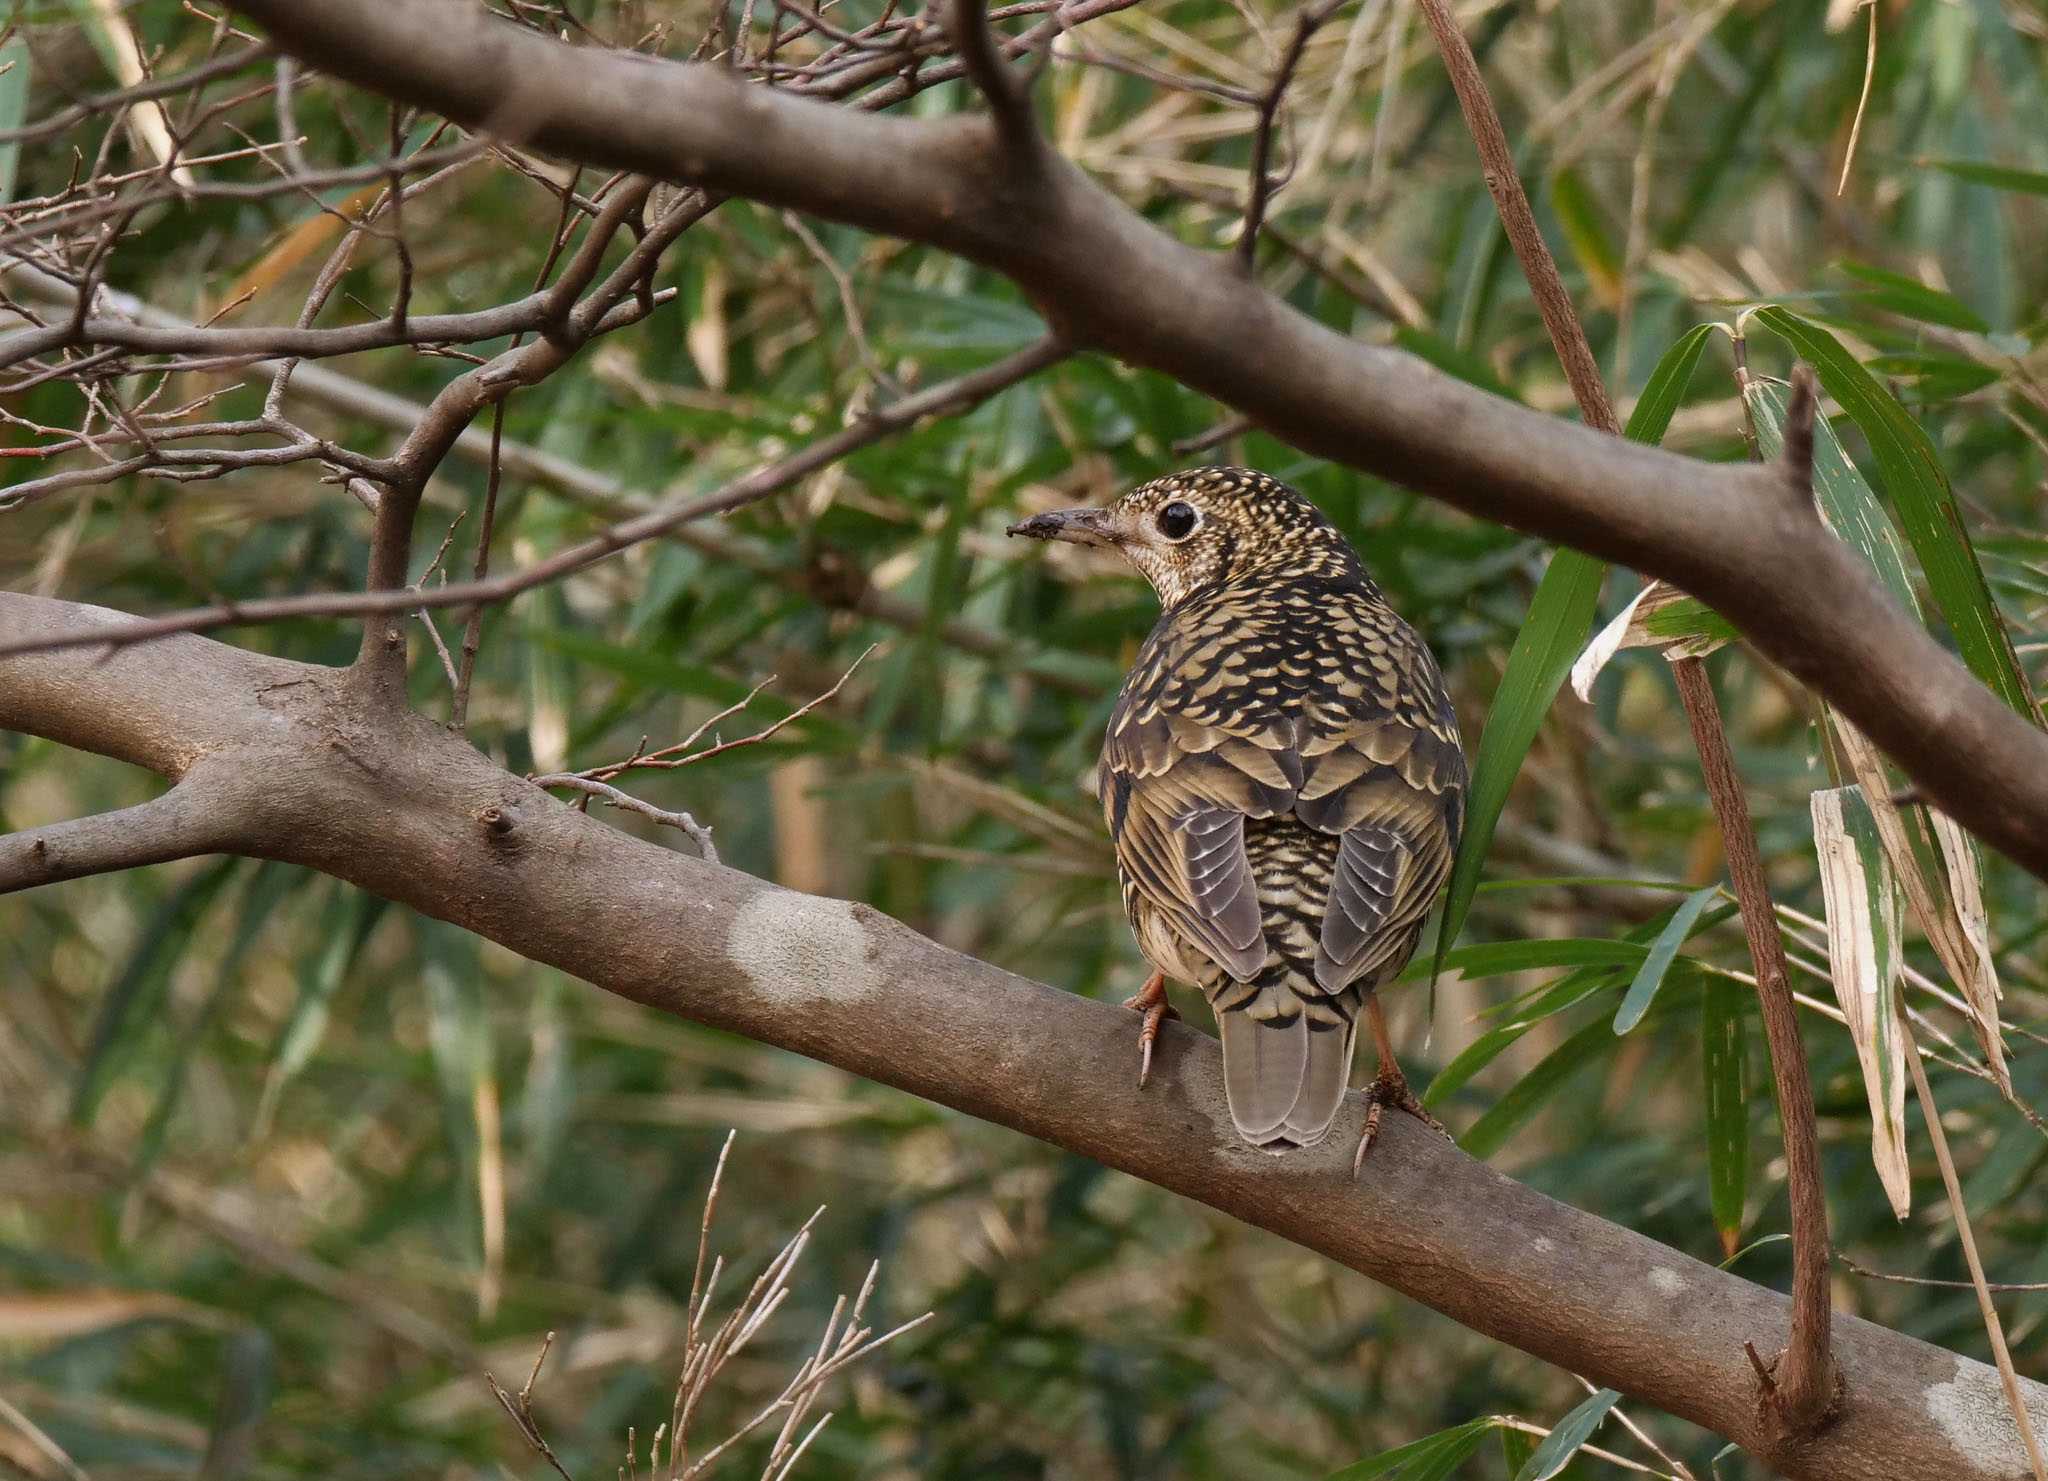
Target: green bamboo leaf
pixel 1934 377
pixel 1912 299
pixel 1567 992
pixel 346 924
pixel 1430 1457
pixel 1572 1432
pixel 1526 1097
pixel 1998 177
pixel 129 1008
pixel 14 79
pixel 1592 245
pixel 1559 621
pixel 1912 476
pixel 1663 951
pixel 1724 1032
pixel 1516 1446
pixel 1846 502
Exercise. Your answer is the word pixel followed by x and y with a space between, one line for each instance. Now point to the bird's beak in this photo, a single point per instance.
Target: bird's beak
pixel 1075 526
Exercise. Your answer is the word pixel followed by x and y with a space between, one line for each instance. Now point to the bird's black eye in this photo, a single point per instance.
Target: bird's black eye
pixel 1177 520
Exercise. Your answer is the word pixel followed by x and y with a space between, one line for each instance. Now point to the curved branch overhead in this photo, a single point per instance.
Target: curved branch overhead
pixel 1736 536
pixel 397 805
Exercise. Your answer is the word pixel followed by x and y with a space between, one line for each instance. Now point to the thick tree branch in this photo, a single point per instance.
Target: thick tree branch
pixel 397 805
pixel 1801 1391
pixel 1109 280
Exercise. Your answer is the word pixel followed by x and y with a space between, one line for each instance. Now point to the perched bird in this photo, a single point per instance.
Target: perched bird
pixel 1284 784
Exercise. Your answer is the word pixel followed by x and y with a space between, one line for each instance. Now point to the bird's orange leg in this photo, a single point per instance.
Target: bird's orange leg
pixel 1150 1002
pixel 1389 1087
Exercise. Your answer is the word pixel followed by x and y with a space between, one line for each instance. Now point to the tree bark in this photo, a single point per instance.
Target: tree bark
pixel 292 763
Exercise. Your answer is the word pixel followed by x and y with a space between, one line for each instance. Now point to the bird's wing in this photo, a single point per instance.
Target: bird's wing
pixel 1176 792
pixel 1383 770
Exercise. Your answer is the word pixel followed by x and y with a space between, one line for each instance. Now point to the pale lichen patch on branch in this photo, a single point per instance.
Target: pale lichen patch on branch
pixel 789 944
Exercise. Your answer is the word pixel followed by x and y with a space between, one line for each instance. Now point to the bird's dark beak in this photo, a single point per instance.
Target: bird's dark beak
pixel 1076 526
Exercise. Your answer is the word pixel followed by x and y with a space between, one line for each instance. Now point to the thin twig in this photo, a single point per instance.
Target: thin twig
pixel 771 478
pixel 1993 1328
pixel 1261 186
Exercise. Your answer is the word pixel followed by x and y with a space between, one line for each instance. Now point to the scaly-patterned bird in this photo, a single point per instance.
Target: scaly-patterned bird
pixel 1284 784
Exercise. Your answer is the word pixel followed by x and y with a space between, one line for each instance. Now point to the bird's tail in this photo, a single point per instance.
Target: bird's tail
pixel 1285 1069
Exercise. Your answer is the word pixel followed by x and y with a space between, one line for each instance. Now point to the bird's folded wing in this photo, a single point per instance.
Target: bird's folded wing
pixel 1176 795
pixel 1393 793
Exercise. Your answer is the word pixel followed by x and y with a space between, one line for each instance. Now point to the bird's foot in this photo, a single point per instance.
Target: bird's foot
pixel 1390 1089
pixel 1150 1003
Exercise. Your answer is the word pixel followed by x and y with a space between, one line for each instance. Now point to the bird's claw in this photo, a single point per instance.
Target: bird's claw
pixel 1390 1089
pixel 1150 1003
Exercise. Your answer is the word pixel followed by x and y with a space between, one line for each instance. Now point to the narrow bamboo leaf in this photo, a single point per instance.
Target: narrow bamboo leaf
pixel 1926 506
pixel 1587 235
pixel 1980 987
pixel 1516 1446
pixel 346 924
pixel 1912 299
pixel 1526 1097
pixel 1572 1432
pixel 128 1009
pixel 1560 618
pixel 1931 893
pixel 1846 502
pixel 1406 1462
pixel 1650 976
pixel 14 58
pixel 1863 964
pixel 1569 991
pixel 1755 1244
pixel 1998 177
pixel 1491 958
pixel 1724 1032
pixel 1666 387
pixel 1935 377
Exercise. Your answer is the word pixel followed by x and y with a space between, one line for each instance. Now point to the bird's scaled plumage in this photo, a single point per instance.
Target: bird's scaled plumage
pixel 1282 777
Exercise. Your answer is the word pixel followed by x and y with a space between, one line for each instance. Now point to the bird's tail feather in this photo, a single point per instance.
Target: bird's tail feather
pixel 1284 1078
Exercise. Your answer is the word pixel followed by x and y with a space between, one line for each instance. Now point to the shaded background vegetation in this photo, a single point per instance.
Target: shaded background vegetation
pixel 283 1170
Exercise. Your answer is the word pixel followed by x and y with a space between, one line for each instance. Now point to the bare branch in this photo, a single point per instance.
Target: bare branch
pixel 1008 92
pixel 389 595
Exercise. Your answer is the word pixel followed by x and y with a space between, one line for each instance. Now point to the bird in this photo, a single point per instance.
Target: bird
pixel 1284 784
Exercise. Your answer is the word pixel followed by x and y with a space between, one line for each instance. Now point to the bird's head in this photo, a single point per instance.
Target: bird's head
pixel 1190 531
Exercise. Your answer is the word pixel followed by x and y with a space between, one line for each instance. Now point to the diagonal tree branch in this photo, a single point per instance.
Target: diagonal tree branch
pixel 397 805
pixel 1108 280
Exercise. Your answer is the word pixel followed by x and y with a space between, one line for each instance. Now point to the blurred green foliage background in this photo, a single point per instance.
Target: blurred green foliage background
pixel 283 1171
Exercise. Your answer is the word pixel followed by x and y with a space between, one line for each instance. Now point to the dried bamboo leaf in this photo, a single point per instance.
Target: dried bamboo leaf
pixel 1980 988
pixel 1661 617
pixel 1938 912
pixel 1863 963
